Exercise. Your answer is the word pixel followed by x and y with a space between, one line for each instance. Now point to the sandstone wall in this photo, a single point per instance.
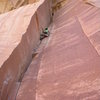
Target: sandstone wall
pixel 19 35
pixel 8 5
pixel 93 2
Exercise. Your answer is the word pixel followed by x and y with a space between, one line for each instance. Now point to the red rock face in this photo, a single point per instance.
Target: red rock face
pixel 19 35
pixel 69 65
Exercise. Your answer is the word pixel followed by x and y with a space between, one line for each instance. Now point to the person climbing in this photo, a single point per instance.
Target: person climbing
pixel 44 34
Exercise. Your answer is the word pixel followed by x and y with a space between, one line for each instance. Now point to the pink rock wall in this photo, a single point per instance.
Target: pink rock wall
pixel 68 68
pixel 69 65
pixel 19 35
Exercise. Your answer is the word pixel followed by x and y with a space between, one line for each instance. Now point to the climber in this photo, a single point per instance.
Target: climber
pixel 45 33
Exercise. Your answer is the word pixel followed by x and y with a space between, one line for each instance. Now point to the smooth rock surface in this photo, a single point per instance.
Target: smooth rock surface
pixel 96 3
pixel 8 5
pixel 69 68
pixel 19 36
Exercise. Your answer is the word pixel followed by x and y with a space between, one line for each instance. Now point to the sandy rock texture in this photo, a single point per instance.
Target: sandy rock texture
pixel 19 35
